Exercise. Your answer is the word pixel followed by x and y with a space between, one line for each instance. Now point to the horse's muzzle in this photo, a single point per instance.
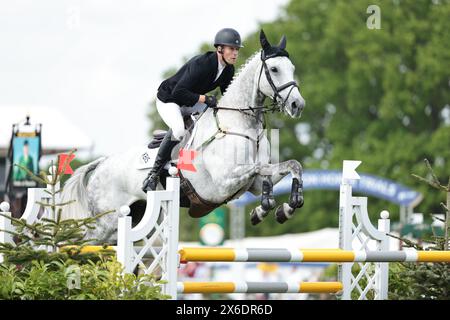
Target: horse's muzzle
pixel 297 107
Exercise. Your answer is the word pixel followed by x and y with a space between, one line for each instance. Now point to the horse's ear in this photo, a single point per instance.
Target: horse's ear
pixel 282 44
pixel 263 40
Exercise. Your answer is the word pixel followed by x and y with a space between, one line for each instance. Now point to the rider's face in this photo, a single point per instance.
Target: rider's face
pixel 230 54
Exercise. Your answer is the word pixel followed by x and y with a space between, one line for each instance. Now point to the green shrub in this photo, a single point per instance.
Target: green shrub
pixel 69 280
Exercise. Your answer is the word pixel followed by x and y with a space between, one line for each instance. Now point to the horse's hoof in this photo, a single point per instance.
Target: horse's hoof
pixel 254 219
pixel 284 213
pixel 257 215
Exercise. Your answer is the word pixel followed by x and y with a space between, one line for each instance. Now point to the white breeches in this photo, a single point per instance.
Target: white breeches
pixel 172 115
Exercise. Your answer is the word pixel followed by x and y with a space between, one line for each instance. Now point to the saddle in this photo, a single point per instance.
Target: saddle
pixel 158 134
pixel 189 198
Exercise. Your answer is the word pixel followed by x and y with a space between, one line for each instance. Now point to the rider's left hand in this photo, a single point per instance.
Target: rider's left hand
pixel 211 101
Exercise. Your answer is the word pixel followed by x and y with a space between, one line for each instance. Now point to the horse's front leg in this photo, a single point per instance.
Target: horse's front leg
pixel 264 186
pixel 275 172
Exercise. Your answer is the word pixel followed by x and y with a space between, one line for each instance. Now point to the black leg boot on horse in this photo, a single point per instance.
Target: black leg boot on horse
pixel 164 153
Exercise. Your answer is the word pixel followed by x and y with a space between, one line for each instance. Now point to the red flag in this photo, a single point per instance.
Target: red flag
pixel 64 159
pixel 185 159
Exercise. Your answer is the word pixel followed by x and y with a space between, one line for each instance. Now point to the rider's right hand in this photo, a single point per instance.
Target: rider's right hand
pixel 211 101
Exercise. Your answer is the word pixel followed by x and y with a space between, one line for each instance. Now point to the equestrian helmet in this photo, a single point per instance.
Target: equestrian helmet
pixel 228 37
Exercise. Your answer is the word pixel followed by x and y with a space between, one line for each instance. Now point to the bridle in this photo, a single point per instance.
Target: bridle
pixel 278 103
pixel 276 90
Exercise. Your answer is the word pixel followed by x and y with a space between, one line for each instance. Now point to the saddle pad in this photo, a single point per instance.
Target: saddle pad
pixel 147 159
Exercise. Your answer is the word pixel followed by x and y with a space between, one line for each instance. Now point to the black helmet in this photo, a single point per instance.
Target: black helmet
pixel 228 37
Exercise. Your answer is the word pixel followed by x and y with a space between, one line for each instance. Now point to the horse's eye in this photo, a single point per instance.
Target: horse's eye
pixel 274 69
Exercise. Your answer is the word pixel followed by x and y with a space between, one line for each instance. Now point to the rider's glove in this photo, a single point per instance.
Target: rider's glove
pixel 211 101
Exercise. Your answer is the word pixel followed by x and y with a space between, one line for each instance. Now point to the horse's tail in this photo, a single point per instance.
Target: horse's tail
pixel 75 189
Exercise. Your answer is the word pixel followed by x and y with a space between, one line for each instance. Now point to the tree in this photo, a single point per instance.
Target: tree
pixel 377 95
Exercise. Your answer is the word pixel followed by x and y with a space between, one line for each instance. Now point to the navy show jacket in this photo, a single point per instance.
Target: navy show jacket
pixel 196 77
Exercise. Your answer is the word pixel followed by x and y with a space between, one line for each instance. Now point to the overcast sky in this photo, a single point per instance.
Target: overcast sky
pixel 100 61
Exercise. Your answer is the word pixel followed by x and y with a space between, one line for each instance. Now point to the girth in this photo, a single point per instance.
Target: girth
pixel 199 207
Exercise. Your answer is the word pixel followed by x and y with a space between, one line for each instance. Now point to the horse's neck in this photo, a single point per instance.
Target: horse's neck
pixel 242 91
pixel 240 94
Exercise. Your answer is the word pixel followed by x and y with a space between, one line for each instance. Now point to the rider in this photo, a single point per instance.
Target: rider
pixel 187 88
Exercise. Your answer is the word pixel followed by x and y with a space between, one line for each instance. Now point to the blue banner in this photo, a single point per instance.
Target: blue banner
pixel 369 185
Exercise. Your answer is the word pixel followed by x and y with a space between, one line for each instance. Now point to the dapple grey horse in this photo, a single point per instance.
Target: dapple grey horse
pixel 234 153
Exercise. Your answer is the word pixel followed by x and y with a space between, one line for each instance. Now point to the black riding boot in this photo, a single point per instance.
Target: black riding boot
pixel 164 152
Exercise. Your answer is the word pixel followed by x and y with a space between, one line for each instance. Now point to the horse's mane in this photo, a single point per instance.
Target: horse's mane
pixel 242 67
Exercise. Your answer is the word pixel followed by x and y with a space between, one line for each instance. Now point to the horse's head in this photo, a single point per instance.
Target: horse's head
pixel 276 78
